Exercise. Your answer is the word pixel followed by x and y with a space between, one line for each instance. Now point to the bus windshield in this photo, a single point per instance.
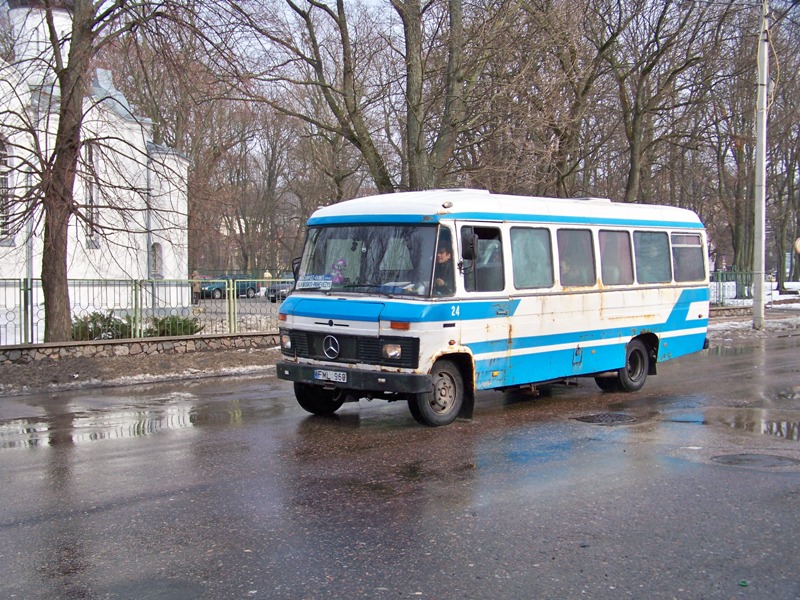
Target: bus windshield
pixel 369 259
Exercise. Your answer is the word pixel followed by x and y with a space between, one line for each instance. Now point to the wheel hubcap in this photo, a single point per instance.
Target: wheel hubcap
pixel 443 394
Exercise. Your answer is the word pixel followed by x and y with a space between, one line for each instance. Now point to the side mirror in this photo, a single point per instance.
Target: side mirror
pixel 296 266
pixel 469 244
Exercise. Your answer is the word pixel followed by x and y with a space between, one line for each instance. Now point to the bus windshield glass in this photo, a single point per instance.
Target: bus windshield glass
pixel 369 259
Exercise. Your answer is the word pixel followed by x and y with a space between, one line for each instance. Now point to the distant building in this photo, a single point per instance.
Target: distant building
pixel 131 192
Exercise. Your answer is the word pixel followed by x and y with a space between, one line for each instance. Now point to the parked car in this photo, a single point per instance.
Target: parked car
pixel 278 290
pixel 217 287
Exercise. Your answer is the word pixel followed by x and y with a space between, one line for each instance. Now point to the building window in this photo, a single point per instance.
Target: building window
pixel 156 262
pixel 92 241
pixel 5 195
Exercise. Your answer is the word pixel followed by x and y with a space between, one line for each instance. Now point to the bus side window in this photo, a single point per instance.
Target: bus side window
pixel 616 261
pixel 485 273
pixel 651 250
pixel 687 256
pixel 576 257
pixel 531 258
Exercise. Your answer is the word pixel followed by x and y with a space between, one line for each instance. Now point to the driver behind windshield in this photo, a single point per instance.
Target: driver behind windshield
pixel 443 273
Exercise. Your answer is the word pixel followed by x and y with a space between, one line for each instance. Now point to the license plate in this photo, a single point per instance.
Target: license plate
pixel 325 375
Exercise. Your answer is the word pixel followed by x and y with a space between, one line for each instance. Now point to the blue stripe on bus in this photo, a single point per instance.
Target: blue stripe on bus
pixel 676 321
pixel 358 309
pixel 498 217
pixel 585 356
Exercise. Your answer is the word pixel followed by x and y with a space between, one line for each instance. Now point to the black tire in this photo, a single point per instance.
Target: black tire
pixel 608 384
pixel 316 399
pixel 442 404
pixel 637 364
pixel 251 292
pixel 216 294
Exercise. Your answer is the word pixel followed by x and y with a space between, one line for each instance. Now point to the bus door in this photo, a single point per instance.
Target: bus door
pixel 487 328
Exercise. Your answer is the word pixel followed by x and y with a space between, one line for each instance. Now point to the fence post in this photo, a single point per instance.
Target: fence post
pixel 230 301
pixel 25 300
pixel 136 292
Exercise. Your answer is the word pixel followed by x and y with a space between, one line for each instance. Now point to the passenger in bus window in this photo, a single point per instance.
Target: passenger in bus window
pixel 443 273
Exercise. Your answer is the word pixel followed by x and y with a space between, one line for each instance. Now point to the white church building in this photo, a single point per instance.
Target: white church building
pixel 131 193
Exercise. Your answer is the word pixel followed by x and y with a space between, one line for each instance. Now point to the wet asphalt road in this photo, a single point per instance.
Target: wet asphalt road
pixel 225 488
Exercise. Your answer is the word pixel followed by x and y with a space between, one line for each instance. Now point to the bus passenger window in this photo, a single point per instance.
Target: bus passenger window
pixel 576 257
pixel 616 264
pixel 651 250
pixel 687 257
pixel 531 257
pixel 485 273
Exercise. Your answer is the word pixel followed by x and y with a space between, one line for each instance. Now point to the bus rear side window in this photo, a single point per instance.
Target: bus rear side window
pixel 687 256
pixel 651 250
pixel 532 258
pixel 616 261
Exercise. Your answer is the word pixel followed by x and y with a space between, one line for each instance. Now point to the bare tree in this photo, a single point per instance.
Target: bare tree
pixel 62 138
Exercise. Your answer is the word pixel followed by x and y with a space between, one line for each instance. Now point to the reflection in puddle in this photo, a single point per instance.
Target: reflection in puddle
pixel 785 429
pixel 111 425
pixel 730 350
pixel 114 424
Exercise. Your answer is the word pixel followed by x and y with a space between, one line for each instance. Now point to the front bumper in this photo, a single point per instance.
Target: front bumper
pixel 357 379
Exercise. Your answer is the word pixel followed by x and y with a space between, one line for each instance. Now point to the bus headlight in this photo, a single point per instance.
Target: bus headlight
pixel 286 341
pixel 392 351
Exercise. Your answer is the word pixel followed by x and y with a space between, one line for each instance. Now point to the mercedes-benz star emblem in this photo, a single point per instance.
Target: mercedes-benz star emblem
pixel 330 346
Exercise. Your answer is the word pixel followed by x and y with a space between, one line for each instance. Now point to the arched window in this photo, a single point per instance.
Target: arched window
pixel 5 191
pixel 156 261
pixel 92 241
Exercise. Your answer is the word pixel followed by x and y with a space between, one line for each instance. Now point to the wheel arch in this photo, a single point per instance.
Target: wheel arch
pixel 465 364
pixel 651 342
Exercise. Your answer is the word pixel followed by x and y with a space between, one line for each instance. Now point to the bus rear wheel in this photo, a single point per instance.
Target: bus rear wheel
pixel 441 405
pixel 316 399
pixel 637 364
pixel 632 376
pixel 607 383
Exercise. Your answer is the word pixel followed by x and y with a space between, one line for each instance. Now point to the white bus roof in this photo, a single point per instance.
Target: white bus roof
pixel 436 205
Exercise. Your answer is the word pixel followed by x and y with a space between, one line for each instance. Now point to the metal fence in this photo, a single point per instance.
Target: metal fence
pixel 731 288
pixel 142 308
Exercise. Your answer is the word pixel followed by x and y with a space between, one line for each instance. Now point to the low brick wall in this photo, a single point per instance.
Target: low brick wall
pixel 22 354
pixel 179 345
pixel 730 311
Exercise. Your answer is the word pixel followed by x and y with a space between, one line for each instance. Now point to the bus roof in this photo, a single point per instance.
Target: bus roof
pixel 465 204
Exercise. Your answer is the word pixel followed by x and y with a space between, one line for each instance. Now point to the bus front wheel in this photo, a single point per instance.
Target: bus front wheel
pixel 316 399
pixel 441 405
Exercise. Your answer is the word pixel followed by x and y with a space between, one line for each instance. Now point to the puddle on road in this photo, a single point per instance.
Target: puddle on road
pixel 176 412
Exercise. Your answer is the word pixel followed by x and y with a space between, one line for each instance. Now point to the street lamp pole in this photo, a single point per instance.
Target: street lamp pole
pixel 761 170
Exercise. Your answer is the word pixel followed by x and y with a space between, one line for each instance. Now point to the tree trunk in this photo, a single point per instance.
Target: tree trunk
pixel 58 188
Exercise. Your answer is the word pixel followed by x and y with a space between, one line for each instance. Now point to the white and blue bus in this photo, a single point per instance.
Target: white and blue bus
pixel 428 297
